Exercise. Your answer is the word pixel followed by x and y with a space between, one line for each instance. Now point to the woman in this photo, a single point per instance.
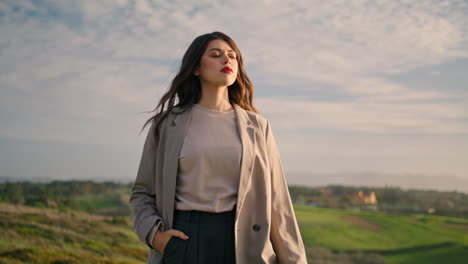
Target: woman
pixel 210 186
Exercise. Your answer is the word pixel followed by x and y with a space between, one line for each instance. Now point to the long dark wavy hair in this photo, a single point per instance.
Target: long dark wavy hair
pixel 186 87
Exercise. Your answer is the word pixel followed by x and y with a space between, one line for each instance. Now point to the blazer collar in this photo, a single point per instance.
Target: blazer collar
pixel 176 133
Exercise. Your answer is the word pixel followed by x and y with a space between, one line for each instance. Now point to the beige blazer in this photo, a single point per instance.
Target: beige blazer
pixel 266 230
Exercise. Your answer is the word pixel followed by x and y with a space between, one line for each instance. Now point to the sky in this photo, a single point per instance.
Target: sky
pixel 348 86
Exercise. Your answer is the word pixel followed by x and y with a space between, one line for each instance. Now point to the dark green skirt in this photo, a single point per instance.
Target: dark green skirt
pixel 211 238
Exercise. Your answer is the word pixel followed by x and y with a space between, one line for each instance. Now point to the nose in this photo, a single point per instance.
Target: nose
pixel 226 58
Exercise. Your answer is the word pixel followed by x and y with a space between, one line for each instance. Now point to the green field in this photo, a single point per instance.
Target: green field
pixel 398 238
pixel 43 235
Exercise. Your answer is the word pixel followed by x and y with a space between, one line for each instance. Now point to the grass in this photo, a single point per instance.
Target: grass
pixel 34 235
pixel 451 253
pixel 399 238
pixel 98 201
pixel 44 235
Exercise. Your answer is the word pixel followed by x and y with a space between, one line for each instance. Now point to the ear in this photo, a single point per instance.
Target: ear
pixel 196 72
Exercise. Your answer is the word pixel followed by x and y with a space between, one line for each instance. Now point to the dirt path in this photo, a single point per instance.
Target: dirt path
pixel 362 222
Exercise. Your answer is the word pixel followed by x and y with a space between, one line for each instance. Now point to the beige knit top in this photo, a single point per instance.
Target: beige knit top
pixel 209 164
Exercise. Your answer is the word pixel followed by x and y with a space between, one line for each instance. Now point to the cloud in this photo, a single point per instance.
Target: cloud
pixel 74 70
pixel 337 43
pixel 366 116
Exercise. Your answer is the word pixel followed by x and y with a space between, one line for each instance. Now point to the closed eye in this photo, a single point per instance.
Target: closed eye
pixel 231 56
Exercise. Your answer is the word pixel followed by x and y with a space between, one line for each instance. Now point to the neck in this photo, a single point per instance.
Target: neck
pixel 216 98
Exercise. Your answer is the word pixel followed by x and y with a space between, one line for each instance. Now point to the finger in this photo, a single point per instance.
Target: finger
pixel 179 234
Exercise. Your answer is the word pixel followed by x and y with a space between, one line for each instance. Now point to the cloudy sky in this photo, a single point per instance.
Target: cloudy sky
pixel 349 86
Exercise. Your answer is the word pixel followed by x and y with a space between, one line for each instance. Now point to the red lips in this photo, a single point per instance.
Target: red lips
pixel 226 69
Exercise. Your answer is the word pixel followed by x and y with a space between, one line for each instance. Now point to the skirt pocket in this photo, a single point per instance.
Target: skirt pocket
pixel 171 253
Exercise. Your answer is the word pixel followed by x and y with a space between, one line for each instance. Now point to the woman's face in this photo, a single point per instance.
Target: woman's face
pixel 216 57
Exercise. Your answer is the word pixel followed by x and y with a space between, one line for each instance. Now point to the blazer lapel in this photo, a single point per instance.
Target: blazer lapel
pixel 247 135
pixel 178 125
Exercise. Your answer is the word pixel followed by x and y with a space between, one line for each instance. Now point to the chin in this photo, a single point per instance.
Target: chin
pixel 231 82
pixel 222 82
pixel 226 83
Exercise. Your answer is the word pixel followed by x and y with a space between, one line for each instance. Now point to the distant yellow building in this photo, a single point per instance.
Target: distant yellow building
pixel 360 197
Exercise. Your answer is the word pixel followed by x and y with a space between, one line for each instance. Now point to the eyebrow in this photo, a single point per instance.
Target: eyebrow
pixel 218 49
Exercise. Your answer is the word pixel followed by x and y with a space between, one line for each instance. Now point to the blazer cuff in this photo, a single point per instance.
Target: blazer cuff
pixel 157 227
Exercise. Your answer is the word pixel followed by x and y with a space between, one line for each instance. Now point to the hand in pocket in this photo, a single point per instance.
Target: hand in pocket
pixel 161 238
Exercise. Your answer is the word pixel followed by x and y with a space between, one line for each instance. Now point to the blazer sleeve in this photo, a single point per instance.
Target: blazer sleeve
pixel 142 201
pixel 152 234
pixel 285 235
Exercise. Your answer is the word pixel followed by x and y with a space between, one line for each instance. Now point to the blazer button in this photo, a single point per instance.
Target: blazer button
pixel 256 227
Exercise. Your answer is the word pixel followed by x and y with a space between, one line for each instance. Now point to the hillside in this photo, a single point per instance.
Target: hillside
pixel 43 235
pixel 399 238
pixel 89 222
